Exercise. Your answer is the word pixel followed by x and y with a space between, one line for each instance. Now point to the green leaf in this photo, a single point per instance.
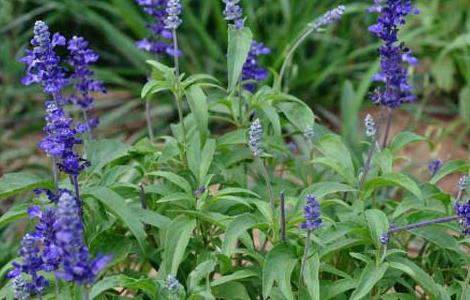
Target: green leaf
pixel 177 238
pixel 123 281
pixel 154 87
pixel 378 224
pixel 201 272
pixel 239 44
pixel 448 168
pixel 173 178
pixel 419 275
pixel 197 101
pixel 369 277
pixel 16 212
pixel 311 277
pixel 235 229
pixel 330 291
pixel 273 117
pixel 394 179
pixel 405 138
pixel 240 274
pixel 278 267
pixel 15 183
pixel 151 217
pixel 118 206
pixel 236 137
pixel 206 160
pixel 231 291
pixel 324 188
pixel 439 236
pixel 334 149
pixel 101 152
pixel 464 105
pixel 299 114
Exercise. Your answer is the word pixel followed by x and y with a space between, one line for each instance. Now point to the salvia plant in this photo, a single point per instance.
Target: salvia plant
pixel 245 196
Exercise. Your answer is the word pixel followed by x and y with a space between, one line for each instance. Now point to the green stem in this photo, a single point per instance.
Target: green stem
pixel 467 283
pixel 264 172
pixel 283 216
pixel 304 258
pixel 85 293
pixel 387 128
pixel 291 51
pixel 178 93
pixel 148 118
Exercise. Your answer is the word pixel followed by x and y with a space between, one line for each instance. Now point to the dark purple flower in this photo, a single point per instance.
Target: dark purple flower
pixel 393 56
pixel 45 233
pixel 462 209
pixel 30 265
pixel 80 58
pixel 234 13
pixel 158 42
pixel 61 139
pixel 252 71
pixel 385 238
pixel 75 262
pixel 311 213
pixel 43 63
pixel 435 166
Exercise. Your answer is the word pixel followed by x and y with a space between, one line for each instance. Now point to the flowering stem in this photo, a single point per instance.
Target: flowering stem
pixel 423 224
pixel 85 118
pixel 292 49
pixel 178 91
pixel 148 118
pixel 283 216
pixel 55 172
pixel 85 293
pixel 370 154
pixel 387 128
pixel 269 187
pixel 304 258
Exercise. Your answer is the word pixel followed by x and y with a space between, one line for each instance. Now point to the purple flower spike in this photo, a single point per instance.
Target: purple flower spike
pixel 31 265
pixel 75 263
pixel 311 213
pixel 159 41
pixel 255 137
pixel 234 13
pixel 393 56
pixel 251 68
pixel 43 63
pixel 463 211
pixel 435 166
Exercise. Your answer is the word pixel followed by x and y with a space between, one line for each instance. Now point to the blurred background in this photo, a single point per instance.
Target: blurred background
pixel 331 71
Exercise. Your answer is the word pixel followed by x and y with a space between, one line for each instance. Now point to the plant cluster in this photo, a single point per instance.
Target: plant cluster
pixel 247 198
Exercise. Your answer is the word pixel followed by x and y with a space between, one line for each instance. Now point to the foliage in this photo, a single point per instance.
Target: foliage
pixel 194 214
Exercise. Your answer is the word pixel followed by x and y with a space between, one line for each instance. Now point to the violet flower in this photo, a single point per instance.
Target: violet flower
pixel 311 214
pixel 233 13
pixel 393 56
pixel 80 58
pixel 43 63
pixel 434 166
pixel 159 42
pixel 463 210
pixel 31 265
pixel 75 262
pixel 252 71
